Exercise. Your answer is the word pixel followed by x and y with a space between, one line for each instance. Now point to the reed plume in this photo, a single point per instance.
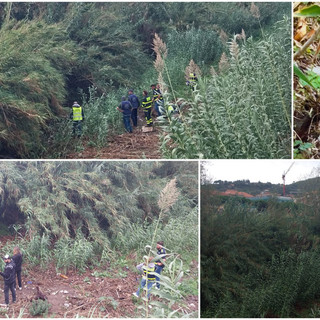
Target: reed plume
pixel 255 11
pixel 168 196
pixel 192 68
pixel 223 63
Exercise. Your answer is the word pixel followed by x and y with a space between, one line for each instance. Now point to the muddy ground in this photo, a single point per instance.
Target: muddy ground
pixel 83 295
pixel 136 145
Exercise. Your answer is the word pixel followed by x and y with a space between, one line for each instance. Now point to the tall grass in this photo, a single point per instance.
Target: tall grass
pixel 73 253
pixel 170 279
pixel 203 46
pixel 244 111
pixel 101 117
pixel 180 235
pixel 37 251
pixel 32 83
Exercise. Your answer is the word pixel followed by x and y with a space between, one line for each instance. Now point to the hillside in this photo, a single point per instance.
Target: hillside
pixel 56 53
pixel 296 189
pixel 260 258
pixel 83 226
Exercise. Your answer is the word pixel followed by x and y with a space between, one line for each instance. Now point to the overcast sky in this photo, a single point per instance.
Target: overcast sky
pixel 260 170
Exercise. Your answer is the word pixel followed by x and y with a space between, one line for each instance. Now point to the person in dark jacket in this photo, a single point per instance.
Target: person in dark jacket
pixel 17 258
pixel 159 263
pixel 134 100
pixel 125 107
pixel 9 275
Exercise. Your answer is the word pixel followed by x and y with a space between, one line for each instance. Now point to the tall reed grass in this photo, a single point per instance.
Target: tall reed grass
pixel 244 111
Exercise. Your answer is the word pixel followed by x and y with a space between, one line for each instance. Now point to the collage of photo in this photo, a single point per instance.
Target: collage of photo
pixel 159 159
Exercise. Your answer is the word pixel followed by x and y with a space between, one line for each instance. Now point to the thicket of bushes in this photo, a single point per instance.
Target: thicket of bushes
pixel 259 262
pixel 52 52
pixel 70 212
pixel 241 111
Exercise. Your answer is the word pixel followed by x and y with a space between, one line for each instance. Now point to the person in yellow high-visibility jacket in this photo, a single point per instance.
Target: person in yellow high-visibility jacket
pixel 77 116
pixel 193 79
pixel 147 268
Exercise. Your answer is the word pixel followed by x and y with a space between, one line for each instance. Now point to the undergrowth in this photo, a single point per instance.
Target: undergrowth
pixel 39 308
pixel 259 262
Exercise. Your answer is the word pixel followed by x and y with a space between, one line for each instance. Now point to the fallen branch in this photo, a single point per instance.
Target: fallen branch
pixel 306 45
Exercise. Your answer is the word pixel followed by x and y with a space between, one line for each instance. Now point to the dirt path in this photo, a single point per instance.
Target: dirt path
pixel 94 294
pixel 137 145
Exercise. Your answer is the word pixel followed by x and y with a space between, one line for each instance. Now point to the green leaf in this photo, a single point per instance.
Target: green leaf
pixel 312 11
pixel 302 76
pixel 313 78
pixel 297 143
pixel 305 146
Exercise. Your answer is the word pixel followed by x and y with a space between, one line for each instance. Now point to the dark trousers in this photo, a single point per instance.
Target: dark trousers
pixel 10 287
pixel 127 123
pixel 158 270
pixel 147 114
pixel 18 272
pixel 134 116
pixel 77 128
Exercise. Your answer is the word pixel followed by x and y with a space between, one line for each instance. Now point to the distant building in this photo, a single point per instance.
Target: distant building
pixel 230 192
pixel 265 195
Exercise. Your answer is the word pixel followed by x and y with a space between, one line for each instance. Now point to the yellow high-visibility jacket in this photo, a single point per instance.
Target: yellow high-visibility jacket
pixel 77 113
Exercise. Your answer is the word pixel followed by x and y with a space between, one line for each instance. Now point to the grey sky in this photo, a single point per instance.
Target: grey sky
pixel 260 170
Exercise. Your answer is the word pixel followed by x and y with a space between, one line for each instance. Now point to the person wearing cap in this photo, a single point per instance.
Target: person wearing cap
pixel 125 108
pixel 134 100
pixel 157 98
pixel 9 276
pixel 146 107
pixel 148 278
pixel 77 116
pixel 17 258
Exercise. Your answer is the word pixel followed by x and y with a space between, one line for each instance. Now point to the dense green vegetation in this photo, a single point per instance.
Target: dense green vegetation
pixel 306 80
pixel 55 53
pixel 260 260
pixel 80 215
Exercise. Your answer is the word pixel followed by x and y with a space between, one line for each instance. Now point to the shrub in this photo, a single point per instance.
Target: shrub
pixel 39 307
pixel 76 253
pixel 37 250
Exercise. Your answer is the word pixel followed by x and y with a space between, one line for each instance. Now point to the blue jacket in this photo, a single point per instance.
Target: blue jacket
pixel 9 273
pixel 162 252
pixel 126 107
pixel 134 101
